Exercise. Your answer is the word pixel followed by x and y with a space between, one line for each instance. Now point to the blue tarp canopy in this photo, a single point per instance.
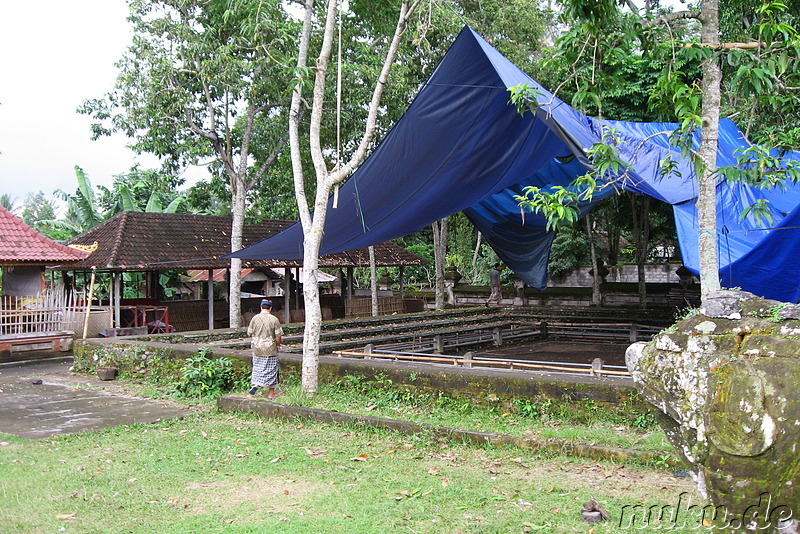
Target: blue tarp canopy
pixel 461 146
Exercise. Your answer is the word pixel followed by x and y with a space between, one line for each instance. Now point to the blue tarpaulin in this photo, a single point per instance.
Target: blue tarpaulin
pixel 461 146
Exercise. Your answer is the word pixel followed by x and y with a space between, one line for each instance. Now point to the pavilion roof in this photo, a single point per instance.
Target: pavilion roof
pixel 22 245
pixel 163 241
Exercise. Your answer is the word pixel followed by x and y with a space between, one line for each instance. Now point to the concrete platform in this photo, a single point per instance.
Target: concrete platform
pixel 41 398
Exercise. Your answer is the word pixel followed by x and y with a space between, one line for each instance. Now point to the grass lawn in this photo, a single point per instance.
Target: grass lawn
pixel 214 472
pixel 544 419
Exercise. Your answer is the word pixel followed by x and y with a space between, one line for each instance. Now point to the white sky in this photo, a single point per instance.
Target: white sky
pixel 54 54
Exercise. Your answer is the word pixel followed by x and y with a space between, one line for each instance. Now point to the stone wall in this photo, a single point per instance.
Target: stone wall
pixel 656 273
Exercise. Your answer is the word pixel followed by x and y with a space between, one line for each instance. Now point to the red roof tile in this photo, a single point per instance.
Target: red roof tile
pixel 21 244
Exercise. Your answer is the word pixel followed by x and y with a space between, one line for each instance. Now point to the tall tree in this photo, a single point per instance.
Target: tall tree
pixel 694 101
pixel 196 80
pixel 327 175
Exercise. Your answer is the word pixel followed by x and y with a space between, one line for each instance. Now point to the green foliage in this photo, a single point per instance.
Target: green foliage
pixel 775 312
pixel 570 249
pixel 7 202
pixel 205 376
pixel 83 210
pixel 142 190
pixel 562 205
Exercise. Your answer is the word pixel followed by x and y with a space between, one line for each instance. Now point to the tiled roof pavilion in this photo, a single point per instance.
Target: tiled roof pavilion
pixel 22 245
pixel 164 241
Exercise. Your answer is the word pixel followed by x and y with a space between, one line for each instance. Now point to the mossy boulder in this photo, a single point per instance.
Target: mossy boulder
pixel 726 379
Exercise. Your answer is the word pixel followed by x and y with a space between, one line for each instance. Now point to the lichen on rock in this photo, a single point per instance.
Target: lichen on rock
pixel 726 380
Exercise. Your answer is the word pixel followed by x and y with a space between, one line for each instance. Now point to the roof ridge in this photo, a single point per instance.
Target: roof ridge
pixel 118 238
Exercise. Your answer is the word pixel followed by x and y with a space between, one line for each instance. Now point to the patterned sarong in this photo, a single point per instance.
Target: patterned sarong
pixel 265 371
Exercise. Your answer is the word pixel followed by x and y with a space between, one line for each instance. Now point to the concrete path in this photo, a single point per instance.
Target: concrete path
pixel 41 398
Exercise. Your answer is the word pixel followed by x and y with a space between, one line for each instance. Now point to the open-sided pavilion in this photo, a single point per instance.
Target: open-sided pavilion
pixel 154 242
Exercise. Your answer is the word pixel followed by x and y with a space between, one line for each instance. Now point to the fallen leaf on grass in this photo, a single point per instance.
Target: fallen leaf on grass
pixel 445 482
pixel 433 471
pixel 360 458
pixel 65 516
pixel 274 460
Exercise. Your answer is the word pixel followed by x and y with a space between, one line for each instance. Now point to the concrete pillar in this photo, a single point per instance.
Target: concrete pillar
pixel 498 336
pixel 634 337
pixel 438 344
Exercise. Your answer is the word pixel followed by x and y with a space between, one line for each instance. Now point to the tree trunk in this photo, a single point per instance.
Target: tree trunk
pixel 325 179
pixel 475 258
pixel 439 258
pixel 373 281
pixel 597 279
pixel 640 209
pixel 707 194
pixel 237 226
pixel 313 312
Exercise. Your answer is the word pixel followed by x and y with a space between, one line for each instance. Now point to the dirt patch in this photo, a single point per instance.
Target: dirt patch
pixel 273 495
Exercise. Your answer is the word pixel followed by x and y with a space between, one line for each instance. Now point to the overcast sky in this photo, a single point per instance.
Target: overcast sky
pixel 54 54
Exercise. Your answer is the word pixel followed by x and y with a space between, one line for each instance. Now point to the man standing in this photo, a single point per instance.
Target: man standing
pixel 266 332
pixel 494 283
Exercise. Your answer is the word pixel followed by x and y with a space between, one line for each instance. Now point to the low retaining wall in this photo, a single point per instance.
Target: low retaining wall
pixel 163 362
pixel 269 410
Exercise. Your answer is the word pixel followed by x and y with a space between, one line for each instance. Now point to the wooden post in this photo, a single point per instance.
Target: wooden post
pixel 89 305
pixel 498 336
pixel 349 283
pixel 297 285
pixel 634 333
pixel 117 284
pixel 368 350
pixel 210 299
pixel 468 356
pixel 286 297
pixel 402 284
